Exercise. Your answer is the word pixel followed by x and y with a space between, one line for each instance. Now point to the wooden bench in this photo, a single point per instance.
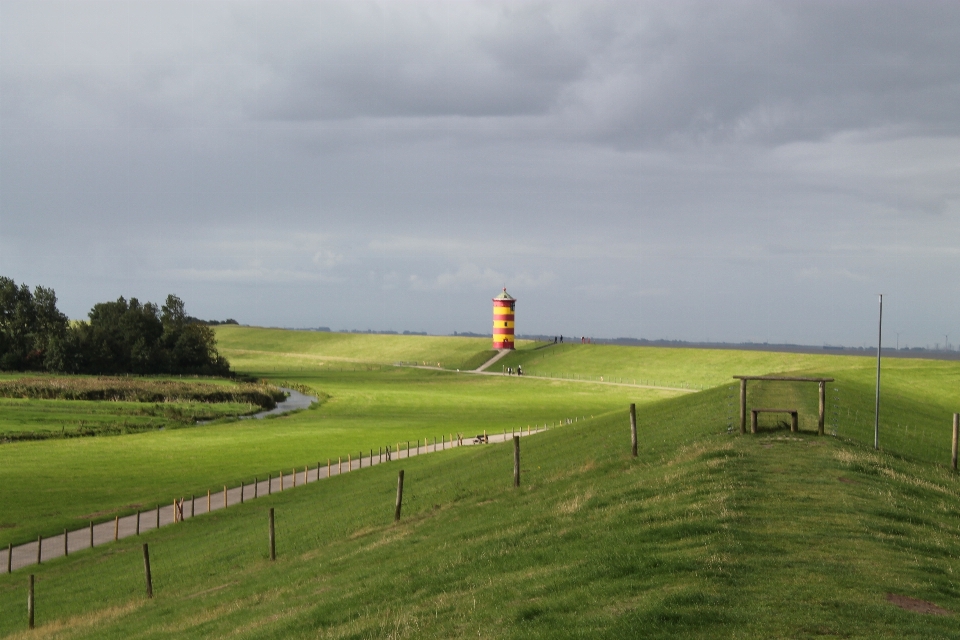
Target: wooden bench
pixel 794 419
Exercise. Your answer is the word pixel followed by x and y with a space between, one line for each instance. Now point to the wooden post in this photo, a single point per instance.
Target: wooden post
pixel 516 461
pixel 65 550
pixel 305 468
pixel 753 422
pixel 146 570
pixel 193 502
pixel 281 480
pixel 256 486
pixel 396 513
pixel 408 448
pixel 91 534
pixel 349 463
pixel 293 474
pixel 138 521
pixel 956 438
pixel 328 467
pixel 30 603
pixel 208 500
pixel 743 406
pixel 823 402
pixel 794 421
pixel 241 492
pixel 39 547
pixel 224 496
pixel 176 515
pixel 273 538
pixel 158 516
pixel 116 528
pixel 10 558
pixel 633 429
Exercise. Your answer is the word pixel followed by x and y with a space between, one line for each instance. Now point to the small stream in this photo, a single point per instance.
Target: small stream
pixel 295 400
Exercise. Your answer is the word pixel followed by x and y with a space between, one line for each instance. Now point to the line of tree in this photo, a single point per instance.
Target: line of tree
pixel 119 337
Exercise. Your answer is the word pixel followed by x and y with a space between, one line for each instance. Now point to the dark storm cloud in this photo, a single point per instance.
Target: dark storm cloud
pixel 664 160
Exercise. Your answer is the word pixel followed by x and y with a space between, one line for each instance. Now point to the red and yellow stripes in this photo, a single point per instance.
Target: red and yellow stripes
pixel 503 319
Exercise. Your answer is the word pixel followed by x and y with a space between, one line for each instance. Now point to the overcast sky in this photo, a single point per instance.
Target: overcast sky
pixel 724 171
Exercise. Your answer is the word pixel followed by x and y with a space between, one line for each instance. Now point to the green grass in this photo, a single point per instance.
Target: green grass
pixel 705 535
pixel 708 534
pixel 287 349
pixel 693 368
pixel 21 417
pixel 57 484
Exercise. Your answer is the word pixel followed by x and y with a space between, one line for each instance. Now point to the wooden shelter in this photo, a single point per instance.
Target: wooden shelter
pixel 822 384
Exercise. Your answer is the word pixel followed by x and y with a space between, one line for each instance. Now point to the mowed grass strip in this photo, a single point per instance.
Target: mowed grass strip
pixel 55 484
pixel 705 535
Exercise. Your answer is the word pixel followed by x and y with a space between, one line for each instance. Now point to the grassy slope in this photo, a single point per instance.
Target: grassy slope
pixel 667 367
pixel 54 484
pixel 706 535
pixel 285 348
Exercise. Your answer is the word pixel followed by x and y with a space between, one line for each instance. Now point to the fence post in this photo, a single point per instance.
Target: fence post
pixel 208 500
pixel 956 437
pixel 349 463
pixel 633 429
pixel 158 516
pixel 66 551
pixel 241 492
pixel 256 488
pixel 91 534
pixel 30 603
pixel 146 570
pixel 224 496
pixel 10 558
pixel 396 513
pixel 138 521
pixel 516 461
pixel 273 538
pixel 116 528
pixel 39 547
pixel 193 502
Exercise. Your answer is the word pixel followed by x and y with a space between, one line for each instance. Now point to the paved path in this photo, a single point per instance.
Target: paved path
pixel 492 361
pixel 195 506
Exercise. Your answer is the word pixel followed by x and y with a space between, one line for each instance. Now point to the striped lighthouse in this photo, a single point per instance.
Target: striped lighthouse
pixel 503 306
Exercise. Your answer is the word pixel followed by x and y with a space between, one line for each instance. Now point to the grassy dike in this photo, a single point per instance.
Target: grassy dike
pixel 705 535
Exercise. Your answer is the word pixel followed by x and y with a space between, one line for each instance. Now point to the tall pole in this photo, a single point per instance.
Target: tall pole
pixel 876 422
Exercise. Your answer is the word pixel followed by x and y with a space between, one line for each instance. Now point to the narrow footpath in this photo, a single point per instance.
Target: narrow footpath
pixel 95 535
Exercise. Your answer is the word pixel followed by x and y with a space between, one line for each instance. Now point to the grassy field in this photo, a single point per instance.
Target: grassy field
pixel 19 417
pixel 284 349
pixel 708 534
pixel 705 535
pixel 53 484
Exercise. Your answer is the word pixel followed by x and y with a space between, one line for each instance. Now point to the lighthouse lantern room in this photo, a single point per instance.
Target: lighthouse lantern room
pixel 503 309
